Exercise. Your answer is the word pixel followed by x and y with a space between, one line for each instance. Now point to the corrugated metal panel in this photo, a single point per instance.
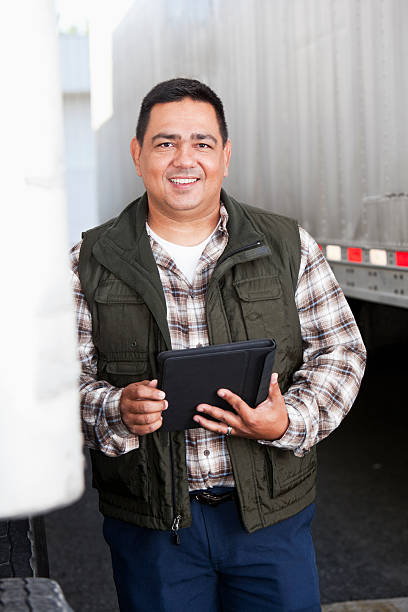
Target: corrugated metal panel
pixel 315 91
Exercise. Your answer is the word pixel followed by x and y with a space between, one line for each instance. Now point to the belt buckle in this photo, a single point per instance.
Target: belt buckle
pixel 211 500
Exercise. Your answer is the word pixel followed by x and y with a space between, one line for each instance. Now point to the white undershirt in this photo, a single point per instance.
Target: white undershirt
pixel 185 257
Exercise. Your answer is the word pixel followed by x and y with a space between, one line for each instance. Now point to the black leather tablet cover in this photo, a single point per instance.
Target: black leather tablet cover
pixel 192 376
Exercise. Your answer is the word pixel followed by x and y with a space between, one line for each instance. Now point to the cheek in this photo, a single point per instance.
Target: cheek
pixel 216 171
pixel 152 172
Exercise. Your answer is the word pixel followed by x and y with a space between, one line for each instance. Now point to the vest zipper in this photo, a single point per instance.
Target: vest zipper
pixel 175 528
pixel 245 248
pixel 177 517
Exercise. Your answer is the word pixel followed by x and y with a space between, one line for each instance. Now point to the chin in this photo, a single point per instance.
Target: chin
pixel 191 205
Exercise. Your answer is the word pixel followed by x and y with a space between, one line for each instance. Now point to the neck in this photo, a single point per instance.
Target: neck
pixel 184 231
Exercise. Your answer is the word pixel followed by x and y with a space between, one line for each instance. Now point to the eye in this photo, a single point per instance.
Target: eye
pixel 203 145
pixel 165 145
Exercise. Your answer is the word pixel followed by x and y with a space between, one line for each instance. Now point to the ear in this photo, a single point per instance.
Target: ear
pixel 135 151
pixel 227 156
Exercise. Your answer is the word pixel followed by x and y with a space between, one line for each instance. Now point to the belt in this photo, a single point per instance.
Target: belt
pixel 211 499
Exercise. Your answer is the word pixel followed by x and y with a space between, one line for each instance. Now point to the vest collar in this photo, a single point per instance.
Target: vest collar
pixel 241 231
pixel 124 249
pixel 128 235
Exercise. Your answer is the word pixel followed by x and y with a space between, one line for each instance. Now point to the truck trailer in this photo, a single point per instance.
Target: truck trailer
pixel 316 99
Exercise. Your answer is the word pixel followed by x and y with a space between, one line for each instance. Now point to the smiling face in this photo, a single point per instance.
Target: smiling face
pixel 182 160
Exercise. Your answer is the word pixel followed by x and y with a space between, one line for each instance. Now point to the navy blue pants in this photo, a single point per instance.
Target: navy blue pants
pixel 218 566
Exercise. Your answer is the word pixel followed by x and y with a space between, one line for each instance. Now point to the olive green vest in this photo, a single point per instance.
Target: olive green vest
pixel 250 295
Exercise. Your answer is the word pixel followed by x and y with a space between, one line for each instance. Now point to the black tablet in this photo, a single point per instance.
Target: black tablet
pixel 193 376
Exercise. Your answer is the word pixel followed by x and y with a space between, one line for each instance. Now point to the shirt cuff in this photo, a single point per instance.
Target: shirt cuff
pixel 114 420
pixel 295 434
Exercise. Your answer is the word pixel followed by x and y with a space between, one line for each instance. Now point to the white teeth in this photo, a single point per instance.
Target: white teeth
pixel 183 181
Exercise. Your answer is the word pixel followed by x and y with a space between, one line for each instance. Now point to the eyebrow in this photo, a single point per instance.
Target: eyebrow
pixel 203 137
pixel 196 136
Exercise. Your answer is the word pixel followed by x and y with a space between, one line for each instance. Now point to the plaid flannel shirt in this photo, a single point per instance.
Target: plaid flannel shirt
pixel 322 391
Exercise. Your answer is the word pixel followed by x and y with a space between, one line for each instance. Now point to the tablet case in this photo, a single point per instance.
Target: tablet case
pixel 192 376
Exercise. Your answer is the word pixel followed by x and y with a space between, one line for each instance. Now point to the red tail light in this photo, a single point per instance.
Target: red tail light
pixel 401 258
pixel 354 254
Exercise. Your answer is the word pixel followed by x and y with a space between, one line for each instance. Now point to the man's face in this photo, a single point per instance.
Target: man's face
pixel 182 160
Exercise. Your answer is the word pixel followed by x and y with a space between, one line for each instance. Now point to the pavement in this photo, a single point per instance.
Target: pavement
pixel 378 605
pixel 361 524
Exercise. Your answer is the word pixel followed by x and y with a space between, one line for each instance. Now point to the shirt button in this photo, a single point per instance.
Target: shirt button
pixel 206 453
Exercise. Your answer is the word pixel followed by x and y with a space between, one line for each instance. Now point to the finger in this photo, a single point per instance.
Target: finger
pixel 235 401
pixel 145 418
pixel 138 391
pixel 142 430
pixel 145 406
pixel 225 416
pixel 153 383
pixel 215 426
pixel 140 382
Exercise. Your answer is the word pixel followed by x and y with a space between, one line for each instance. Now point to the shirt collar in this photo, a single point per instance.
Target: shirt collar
pixel 212 251
pixel 223 219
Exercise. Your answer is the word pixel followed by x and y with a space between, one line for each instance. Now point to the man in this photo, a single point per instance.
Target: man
pixel 185 265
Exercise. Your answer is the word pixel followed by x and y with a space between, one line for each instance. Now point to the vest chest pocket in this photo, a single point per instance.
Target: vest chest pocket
pixel 123 319
pixel 261 305
pixel 123 373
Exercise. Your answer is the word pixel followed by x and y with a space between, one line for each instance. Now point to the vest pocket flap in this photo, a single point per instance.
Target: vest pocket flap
pixel 126 367
pixel 256 289
pixel 117 293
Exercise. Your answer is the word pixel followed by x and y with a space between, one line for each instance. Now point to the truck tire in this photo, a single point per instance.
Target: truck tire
pixel 32 595
pixel 23 549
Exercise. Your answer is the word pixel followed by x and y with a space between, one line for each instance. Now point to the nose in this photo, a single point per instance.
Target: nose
pixel 184 157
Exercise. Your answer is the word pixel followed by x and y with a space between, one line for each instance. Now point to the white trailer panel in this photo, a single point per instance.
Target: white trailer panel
pixel 316 97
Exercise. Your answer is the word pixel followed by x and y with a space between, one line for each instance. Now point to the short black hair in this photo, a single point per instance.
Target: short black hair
pixel 175 90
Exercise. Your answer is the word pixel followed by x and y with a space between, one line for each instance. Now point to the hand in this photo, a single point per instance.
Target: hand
pixel 268 421
pixel 141 406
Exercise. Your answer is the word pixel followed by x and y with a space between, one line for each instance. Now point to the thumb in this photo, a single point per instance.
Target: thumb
pixel 153 383
pixel 274 387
